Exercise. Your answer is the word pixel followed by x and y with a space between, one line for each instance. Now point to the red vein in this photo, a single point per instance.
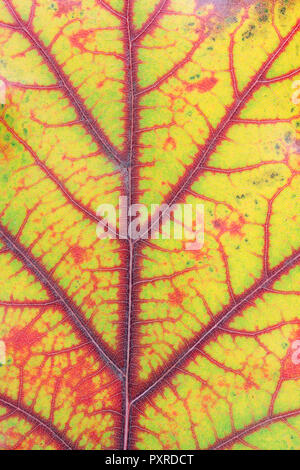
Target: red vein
pixel 65 84
pixel 151 20
pixel 281 77
pixel 29 304
pixel 110 9
pixel 9 26
pixel 52 176
pixel 255 427
pixel 231 60
pixel 171 72
pixel 48 281
pixel 223 317
pixel 260 122
pixel 36 419
pixel 30 87
pixel 259 332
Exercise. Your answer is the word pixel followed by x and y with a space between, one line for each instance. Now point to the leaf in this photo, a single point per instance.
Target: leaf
pixel 142 344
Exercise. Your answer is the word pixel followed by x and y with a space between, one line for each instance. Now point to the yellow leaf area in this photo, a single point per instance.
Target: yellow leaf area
pixel 146 344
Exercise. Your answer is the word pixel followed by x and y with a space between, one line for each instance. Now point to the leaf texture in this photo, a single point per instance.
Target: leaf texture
pixel 122 344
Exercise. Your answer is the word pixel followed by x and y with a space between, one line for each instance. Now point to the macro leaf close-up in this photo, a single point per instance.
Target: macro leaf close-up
pixel 122 336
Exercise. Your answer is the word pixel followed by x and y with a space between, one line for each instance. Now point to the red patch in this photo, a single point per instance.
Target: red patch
pixel 235 228
pixel 78 254
pixel 80 39
pixel 66 6
pixel 25 339
pixel 176 297
pixel 205 85
pixel 21 343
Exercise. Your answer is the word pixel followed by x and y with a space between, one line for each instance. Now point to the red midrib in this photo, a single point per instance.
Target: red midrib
pixel 132 79
pixel 37 420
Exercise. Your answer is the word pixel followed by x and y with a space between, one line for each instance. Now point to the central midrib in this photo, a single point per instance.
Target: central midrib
pixel 183 184
pixel 131 75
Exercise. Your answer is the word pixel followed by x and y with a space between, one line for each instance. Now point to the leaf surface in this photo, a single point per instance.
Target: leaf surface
pixel 122 344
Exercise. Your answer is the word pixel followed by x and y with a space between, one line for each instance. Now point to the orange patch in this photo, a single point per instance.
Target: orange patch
pixel 235 228
pixel 205 85
pixel 79 254
pixel 170 144
pixel 21 343
pixel 6 153
pixel 90 303
pixel 176 297
pixel 80 40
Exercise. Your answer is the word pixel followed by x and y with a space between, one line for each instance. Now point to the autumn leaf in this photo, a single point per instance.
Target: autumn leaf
pixel 142 344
